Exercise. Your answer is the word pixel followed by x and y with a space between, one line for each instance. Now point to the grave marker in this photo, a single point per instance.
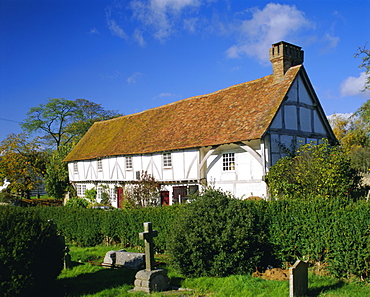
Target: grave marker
pixel 150 279
pixel 298 279
pixel 148 236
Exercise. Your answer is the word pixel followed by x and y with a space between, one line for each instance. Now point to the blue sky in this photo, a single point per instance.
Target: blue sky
pixel 133 55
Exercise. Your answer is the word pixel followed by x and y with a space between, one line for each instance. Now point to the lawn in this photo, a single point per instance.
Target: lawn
pixel 87 278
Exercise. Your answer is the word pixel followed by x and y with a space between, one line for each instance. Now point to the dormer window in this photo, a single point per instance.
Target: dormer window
pixel 228 162
pixel 167 160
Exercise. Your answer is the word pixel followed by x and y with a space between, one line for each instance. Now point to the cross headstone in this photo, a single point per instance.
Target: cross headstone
pixel 150 279
pixel 148 236
pixel 298 279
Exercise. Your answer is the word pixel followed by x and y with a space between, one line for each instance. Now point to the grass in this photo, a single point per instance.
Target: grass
pixel 86 278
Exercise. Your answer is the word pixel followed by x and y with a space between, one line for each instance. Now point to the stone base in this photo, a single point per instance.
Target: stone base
pixel 151 281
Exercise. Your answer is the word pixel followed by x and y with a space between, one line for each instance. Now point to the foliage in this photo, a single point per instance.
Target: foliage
pixel 315 170
pixel 31 252
pixel 77 202
pixel 56 178
pixel 63 121
pixel 22 163
pixel 353 132
pixel 90 195
pixel 322 231
pixel 144 193
pixel 349 241
pixel 217 235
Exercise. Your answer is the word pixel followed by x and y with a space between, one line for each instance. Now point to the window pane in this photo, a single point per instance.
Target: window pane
pixel 228 162
pixel 167 160
pixel 128 162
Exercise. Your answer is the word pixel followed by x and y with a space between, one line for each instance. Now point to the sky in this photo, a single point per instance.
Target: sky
pixel 131 55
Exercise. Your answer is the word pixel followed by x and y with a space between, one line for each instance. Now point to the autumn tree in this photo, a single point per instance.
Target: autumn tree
pixel 22 162
pixel 61 121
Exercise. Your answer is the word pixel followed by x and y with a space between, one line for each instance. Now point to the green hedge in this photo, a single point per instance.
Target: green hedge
pixel 229 231
pixel 89 227
pixel 31 252
pixel 320 230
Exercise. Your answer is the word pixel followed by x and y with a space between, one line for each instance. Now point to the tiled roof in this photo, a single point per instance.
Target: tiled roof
pixel 238 113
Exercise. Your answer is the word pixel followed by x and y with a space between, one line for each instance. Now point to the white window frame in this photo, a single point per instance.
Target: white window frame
pixel 100 164
pixel 81 190
pixel 99 191
pixel 228 162
pixel 128 163
pixel 167 160
pixel 112 194
pixel 75 167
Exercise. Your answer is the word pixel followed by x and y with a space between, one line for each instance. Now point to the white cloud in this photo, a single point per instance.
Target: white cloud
pixel 332 41
pixel 134 77
pixel 138 36
pixel 353 86
pixel 273 23
pixel 161 16
pixel 93 31
pixel 161 95
pixel 116 29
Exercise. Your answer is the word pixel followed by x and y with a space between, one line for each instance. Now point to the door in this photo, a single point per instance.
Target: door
pixel 180 194
pixel 165 198
pixel 119 197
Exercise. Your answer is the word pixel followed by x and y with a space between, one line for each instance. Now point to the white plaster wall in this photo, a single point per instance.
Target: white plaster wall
pixel 244 181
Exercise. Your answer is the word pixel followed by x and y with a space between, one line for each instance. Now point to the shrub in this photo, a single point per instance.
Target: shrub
pixel 314 170
pixel 31 252
pixel 77 202
pixel 217 235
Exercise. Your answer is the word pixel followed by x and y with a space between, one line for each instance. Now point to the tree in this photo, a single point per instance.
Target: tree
pixel 56 177
pixel 22 163
pixel 365 64
pixel 144 193
pixel 315 170
pixel 64 121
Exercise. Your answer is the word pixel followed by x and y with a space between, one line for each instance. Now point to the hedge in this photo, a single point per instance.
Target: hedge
pixel 320 230
pixel 31 252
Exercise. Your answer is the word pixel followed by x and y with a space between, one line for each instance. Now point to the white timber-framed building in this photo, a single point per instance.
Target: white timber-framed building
pixel 228 139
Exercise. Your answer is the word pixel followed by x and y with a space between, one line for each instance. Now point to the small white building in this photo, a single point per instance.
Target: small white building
pixel 228 138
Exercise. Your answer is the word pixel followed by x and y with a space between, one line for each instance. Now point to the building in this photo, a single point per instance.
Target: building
pixel 228 139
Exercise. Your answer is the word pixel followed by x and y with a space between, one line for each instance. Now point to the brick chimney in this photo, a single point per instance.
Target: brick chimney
pixel 284 55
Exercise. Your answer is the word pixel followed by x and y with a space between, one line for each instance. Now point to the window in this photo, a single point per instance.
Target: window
pixel 167 160
pixel 228 162
pixel 75 167
pixel 81 190
pixel 112 194
pixel 100 165
pixel 99 192
pixel 128 162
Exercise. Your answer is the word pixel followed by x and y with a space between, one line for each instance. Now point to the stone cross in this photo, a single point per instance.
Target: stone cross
pixel 148 236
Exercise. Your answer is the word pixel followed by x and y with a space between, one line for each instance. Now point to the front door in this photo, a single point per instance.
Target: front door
pixel 119 197
pixel 165 197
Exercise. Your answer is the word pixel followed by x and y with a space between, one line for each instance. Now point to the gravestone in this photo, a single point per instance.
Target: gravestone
pixel 122 258
pixel 298 279
pixel 150 279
